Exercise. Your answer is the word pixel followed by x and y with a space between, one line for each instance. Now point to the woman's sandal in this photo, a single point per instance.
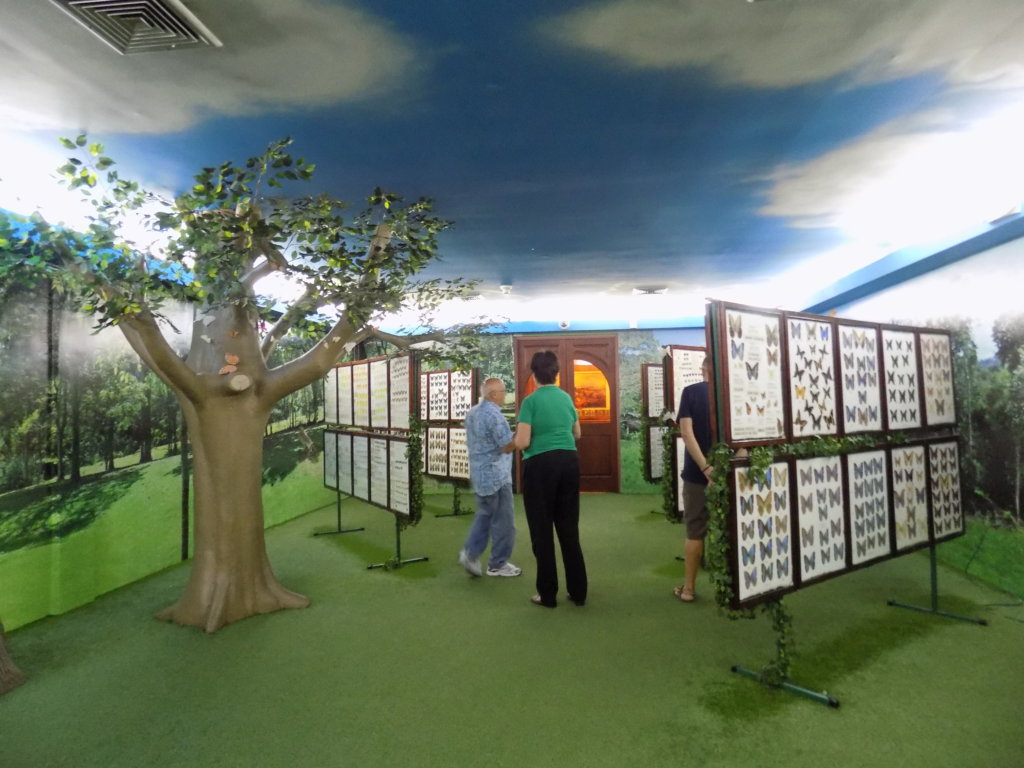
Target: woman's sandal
pixel 684 594
pixel 536 600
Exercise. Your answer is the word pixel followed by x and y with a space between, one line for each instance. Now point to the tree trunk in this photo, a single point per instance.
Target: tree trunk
pixel 146 431
pixel 108 445
pixel 231 577
pixel 75 392
pixel 10 676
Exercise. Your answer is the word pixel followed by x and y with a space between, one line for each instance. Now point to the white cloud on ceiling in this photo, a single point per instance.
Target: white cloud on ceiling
pixel 783 43
pixel 55 75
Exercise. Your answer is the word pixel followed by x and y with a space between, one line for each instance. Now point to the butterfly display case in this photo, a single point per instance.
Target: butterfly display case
pixel 786 377
pixel 371 467
pixel 683 368
pixel 652 401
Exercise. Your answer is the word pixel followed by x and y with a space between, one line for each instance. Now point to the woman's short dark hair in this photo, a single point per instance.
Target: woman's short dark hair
pixel 545 367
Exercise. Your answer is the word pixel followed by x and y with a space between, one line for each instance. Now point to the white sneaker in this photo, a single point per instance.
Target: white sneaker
pixel 506 570
pixel 472 566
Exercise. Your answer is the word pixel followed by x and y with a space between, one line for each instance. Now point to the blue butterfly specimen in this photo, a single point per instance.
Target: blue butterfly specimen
pixel 835 496
pixel 749 553
pixel 862 549
pixel 807 537
pixel 851 412
pixel 782 567
pixel 750 578
pixel 752 371
pixel 832 471
pixel 838 550
pixel 766 549
pixel 795 329
pixel 858 527
pixel 823 538
pixel 837 527
pixel 806 503
pixel 806 476
pixel 767 571
pixel 809 562
pixel 736 349
pixel 747 530
pixel 781 501
pixel 782 545
pixel 746 505
pixel 764 528
pixel 823 332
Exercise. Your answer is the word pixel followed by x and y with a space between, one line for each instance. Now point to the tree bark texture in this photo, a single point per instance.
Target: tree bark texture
pixel 231 577
pixel 10 676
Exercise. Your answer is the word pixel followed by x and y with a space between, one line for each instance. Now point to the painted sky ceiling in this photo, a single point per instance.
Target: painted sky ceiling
pixel 746 151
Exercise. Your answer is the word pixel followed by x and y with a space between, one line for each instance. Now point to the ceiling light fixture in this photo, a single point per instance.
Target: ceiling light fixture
pixel 139 26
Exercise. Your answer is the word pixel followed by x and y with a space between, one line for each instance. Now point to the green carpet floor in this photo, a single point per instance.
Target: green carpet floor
pixel 425 666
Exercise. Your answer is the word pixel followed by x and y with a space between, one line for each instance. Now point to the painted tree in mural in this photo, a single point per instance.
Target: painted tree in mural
pixel 230 230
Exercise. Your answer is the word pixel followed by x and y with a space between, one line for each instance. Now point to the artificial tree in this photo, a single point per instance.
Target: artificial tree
pixel 231 229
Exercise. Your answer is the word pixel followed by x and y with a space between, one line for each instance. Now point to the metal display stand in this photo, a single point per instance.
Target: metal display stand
pixel 457 508
pixel 819 696
pixel 397 561
pixel 934 609
pixel 339 528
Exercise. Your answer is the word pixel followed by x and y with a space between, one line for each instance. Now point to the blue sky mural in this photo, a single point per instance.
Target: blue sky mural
pixel 751 151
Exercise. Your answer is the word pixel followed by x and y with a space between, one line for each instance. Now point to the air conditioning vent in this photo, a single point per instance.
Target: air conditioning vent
pixel 139 26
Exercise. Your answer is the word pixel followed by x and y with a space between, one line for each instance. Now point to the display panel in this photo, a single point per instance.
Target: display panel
pixel 859 371
pixel 944 482
pixel 437 451
pixel 812 381
pixel 345 463
pixel 439 396
pixel 398 477
pixel 679 457
pixel 331 396
pixel 822 528
pixel 656 452
pixel 754 376
pixel 937 368
pixel 379 471
pixel 899 357
pixel 461 383
pixel 400 396
pixel 458 453
pixel 909 496
pixel 361 394
pixel 424 396
pixel 379 400
pixel 361 467
pixel 654 390
pixel 685 370
pixel 331 460
pixel 762 531
pixel 869 506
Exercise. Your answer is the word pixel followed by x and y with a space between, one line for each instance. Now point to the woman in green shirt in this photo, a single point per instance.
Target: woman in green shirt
pixel 547 432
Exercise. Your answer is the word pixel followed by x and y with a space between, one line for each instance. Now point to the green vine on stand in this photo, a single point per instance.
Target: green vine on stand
pixel 414 453
pixel 717 548
pixel 669 497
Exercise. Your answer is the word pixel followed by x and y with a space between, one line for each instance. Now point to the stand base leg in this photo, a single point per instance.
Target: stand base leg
pixel 937 612
pixel 340 530
pixel 399 564
pixel 820 697
pixel 453 514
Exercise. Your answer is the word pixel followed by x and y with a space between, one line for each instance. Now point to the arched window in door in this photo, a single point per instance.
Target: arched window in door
pixel 591 392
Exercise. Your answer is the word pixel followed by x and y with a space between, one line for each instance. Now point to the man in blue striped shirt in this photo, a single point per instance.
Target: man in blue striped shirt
pixel 490 469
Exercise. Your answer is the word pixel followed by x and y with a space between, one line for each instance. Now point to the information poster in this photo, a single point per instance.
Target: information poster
pixel 361 467
pixel 812 381
pixel 344 374
pixel 762 523
pixel 345 463
pixel 331 460
pixel 859 370
pixel 909 496
pixel 869 508
pixel 400 371
pixel 379 471
pixel 754 375
pixel 331 397
pixel 819 490
pixel 361 394
pixel 379 400
pixel 655 439
pixel 899 350
pixel 936 362
pixel 654 377
pixel 398 477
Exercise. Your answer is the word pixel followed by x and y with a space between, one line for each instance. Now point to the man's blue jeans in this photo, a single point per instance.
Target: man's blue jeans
pixel 495 519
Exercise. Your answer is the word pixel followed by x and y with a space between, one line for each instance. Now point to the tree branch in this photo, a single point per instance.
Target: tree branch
pixel 285 322
pixel 145 337
pixel 311 366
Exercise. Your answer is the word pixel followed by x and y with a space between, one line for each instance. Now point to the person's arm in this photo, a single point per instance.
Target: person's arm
pixel 576 429
pixel 693 447
pixel 522 436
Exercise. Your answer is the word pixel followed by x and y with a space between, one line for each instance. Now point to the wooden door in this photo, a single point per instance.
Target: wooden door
pixel 589 373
